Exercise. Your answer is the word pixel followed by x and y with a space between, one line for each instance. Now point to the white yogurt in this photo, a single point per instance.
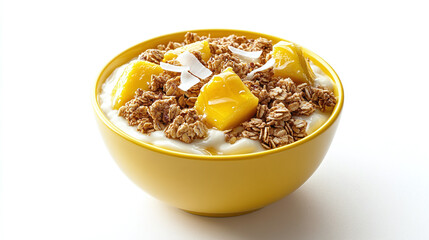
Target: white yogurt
pixel 315 120
pixel 322 80
pixel 215 142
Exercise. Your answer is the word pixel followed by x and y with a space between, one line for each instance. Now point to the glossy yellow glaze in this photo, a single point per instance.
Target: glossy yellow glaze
pixel 290 62
pixel 225 101
pixel 136 75
pixel 216 185
pixel 201 46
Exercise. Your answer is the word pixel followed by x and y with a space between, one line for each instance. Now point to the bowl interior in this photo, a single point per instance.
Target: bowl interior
pixel 134 51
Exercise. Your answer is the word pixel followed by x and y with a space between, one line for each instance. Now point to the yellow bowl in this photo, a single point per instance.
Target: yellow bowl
pixel 222 185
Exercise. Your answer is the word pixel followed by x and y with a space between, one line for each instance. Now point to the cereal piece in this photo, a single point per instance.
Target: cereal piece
pixel 152 55
pixel 263 96
pixel 278 113
pixel 163 111
pixel 171 87
pixel 305 108
pixel 157 81
pixel 287 84
pixel 261 111
pixel 298 127
pixel 261 44
pixel 254 124
pixel 145 126
pixel 136 108
pixel 170 46
pixel 232 135
pixel 220 62
pixel 146 98
pixel 191 38
pixel 278 93
pixel 321 98
pixel 187 126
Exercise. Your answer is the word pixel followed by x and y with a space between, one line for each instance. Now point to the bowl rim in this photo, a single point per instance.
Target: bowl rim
pixel 314 57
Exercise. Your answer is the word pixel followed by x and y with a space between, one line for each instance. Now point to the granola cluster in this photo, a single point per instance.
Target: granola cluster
pixel 168 108
pixel 280 100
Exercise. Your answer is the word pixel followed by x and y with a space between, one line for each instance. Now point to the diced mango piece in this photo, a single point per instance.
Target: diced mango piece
pixel 290 62
pixel 225 101
pixel 136 75
pixel 201 46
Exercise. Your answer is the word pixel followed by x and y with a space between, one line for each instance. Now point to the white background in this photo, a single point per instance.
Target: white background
pixel 59 182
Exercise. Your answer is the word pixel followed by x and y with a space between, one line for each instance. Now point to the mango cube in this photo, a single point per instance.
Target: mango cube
pixel 225 101
pixel 290 62
pixel 201 46
pixel 136 75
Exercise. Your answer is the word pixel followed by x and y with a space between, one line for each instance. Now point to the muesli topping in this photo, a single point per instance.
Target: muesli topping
pixel 165 106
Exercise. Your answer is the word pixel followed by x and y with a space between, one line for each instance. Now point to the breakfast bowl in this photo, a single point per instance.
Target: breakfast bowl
pixel 216 185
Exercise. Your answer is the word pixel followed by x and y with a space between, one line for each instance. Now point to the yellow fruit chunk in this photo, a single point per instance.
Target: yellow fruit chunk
pixel 290 62
pixel 136 75
pixel 225 101
pixel 201 46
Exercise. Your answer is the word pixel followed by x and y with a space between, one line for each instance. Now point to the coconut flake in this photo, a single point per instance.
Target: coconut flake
pixel 245 55
pixel 187 80
pixel 173 68
pixel 267 65
pixel 192 70
pixel 195 66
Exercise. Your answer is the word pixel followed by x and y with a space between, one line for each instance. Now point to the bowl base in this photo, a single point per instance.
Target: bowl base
pixel 219 215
